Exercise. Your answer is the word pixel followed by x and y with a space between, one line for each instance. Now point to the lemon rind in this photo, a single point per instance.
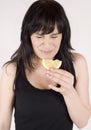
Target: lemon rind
pixel 43 63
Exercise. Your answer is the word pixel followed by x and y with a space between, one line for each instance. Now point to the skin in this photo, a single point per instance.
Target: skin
pixel 46 46
pixel 77 100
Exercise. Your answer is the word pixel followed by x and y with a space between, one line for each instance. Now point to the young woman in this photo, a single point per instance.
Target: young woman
pixel 43 99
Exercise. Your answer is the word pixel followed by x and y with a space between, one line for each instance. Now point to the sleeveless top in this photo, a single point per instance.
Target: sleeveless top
pixel 37 109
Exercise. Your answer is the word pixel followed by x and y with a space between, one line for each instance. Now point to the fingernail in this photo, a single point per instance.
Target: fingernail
pixel 48 75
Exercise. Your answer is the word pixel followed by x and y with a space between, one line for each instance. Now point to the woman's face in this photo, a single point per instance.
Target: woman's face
pixel 46 46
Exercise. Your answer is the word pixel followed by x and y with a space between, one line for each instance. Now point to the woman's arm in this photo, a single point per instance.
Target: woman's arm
pixel 77 100
pixel 79 107
pixel 6 96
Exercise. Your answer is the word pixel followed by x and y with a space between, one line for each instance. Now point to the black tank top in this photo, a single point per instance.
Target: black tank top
pixel 37 109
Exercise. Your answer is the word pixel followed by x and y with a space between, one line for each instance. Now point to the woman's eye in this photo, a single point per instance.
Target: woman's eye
pixel 54 36
pixel 39 36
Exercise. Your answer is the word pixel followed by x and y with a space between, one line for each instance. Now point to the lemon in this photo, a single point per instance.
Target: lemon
pixel 47 63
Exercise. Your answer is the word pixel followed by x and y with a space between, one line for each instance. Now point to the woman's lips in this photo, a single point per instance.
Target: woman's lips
pixel 46 52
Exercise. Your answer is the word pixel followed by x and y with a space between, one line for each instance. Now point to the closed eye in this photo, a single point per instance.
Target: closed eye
pixel 39 36
pixel 54 37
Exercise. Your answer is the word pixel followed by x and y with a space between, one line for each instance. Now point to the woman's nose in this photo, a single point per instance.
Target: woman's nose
pixel 47 42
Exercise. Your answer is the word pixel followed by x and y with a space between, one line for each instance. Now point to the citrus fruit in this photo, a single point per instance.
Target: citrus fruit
pixel 47 63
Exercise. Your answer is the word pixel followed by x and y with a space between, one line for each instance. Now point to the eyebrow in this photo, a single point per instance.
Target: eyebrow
pixel 44 34
pixel 55 33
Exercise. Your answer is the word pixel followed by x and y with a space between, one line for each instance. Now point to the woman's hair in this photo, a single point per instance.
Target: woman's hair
pixel 43 15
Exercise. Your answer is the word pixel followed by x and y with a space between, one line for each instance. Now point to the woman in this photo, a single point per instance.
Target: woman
pixel 43 99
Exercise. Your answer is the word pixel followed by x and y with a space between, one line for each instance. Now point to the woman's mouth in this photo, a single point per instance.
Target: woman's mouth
pixel 46 52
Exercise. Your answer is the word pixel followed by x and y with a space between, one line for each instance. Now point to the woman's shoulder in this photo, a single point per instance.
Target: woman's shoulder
pixel 80 63
pixel 78 58
pixel 9 69
pixel 7 76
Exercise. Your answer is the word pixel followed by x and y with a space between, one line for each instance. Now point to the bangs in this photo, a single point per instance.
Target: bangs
pixel 46 25
pixel 45 21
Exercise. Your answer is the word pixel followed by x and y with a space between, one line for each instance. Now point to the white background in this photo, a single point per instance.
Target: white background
pixel 79 15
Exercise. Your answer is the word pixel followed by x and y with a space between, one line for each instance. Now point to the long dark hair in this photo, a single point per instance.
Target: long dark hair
pixel 43 15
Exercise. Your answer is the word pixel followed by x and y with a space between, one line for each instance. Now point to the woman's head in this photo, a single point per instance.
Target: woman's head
pixel 44 15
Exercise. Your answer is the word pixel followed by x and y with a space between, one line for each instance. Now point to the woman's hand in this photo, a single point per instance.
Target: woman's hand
pixel 61 77
pixel 77 100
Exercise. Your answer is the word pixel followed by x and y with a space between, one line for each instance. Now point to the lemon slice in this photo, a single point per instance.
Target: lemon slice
pixel 47 63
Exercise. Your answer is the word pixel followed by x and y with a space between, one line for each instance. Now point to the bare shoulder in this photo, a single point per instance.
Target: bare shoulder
pixel 9 69
pixel 7 76
pixel 80 63
pixel 78 58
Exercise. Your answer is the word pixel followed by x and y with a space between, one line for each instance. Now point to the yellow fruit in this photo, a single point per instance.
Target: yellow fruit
pixel 47 63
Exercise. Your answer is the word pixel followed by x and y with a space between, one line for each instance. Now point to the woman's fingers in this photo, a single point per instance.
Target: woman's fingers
pixel 57 89
pixel 60 77
pixel 61 71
